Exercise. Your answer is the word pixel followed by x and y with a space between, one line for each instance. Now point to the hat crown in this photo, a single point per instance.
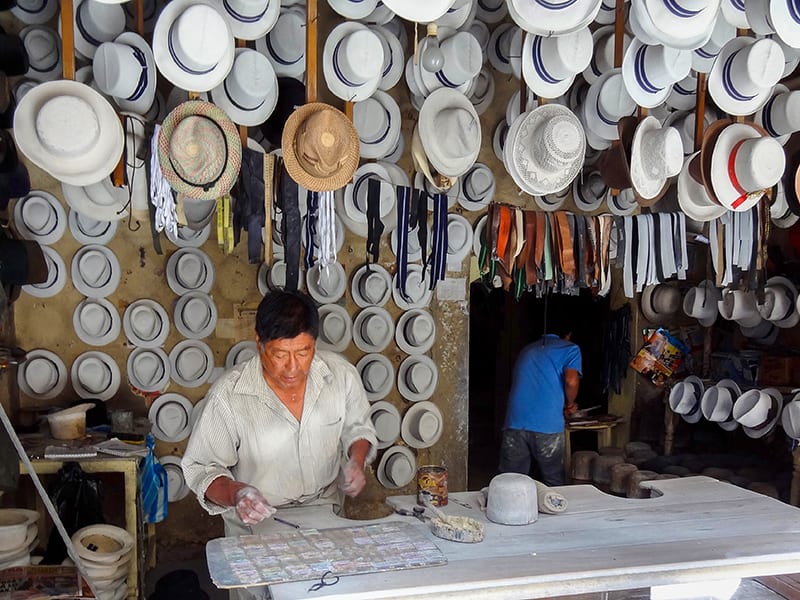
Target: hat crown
pixel 116 69
pixel 42 47
pixel 662 152
pixel 663 65
pixel 333 328
pixel 562 56
pixel 782 114
pixel 753 68
pixel 375 375
pixel 41 374
pixel 198 38
pixel 557 142
pixel 190 270
pixel 457 235
pixel 99 22
pixel 191 363
pixel 758 163
pixel 358 57
pixel 424 426
pixel 148 368
pixel 172 418
pixel 95 319
pixel 418 329
pixel 251 79
pixel 419 377
pixel 613 100
pixel 398 468
pixel 94 374
pixel 284 42
pixel 460 128
pixel 478 182
pixel 94 268
pixel 198 150
pixel 372 287
pixel 665 299
pixel 463 58
pixel 374 329
pixel 752 407
pixel 145 322
pixel 67 125
pixel 196 314
pixel 322 143
pixel 38 215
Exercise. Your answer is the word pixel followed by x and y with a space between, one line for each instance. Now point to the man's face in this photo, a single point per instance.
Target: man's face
pixel 285 362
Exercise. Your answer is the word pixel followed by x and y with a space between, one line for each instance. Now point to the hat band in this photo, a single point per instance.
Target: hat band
pixel 599 111
pixel 209 184
pixel 538 63
pixel 82 28
pixel 792 6
pixel 703 54
pixel 386 131
pixel 679 11
pixel 641 73
pixel 32 11
pixel 773 409
pixel 244 18
pixel 556 5
pixel 593 65
pixel 498 52
pixel 682 90
pixel 482 4
pixel 766 117
pixel 236 104
pixel 737 4
pixel 337 69
pixel 48 68
pixel 445 81
pixel 727 83
pixel 745 195
pixel 141 85
pixel 178 61
pixel 276 56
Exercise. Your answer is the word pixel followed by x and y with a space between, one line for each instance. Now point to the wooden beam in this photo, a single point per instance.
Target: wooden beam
pixel 242 128
pixel 311 50
pixel 68 39
pixel 139 4
pixel 700 111
pixel 619 32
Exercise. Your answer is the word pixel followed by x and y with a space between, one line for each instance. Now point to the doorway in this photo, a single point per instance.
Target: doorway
pixel 499 327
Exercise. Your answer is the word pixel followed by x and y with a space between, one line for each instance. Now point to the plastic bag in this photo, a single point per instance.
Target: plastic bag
pixel 153 483
pixel 78 499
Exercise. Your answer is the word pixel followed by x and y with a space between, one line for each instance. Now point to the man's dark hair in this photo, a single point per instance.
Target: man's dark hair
pixel 559 327
pixel 283 314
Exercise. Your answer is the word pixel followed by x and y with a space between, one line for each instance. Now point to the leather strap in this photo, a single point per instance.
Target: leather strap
pixel 312 214
pixel 291 229
pixel 269 191
pixel 503 231
pixel 531 268
pixel 374 224
pixel 566 253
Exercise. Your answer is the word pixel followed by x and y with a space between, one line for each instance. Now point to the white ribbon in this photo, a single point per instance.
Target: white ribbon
pixel 160 191
pixel 326 230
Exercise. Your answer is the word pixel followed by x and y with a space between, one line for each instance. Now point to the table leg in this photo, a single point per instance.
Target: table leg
pixel 567 455
pixel 131 526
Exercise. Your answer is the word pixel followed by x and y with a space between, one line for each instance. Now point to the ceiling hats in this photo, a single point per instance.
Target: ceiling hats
pixel 684 399
pixel 449 131
pixel 649 72
pixel 700 302
pixel 199 150
pixel 69 130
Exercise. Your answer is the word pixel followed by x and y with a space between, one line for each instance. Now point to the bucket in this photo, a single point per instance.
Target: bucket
pixel 69 424
pixel 432 480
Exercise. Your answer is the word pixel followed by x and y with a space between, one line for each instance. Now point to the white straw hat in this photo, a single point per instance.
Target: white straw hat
pixel 415 332
pixel 249 93
pixel 589 191
pixel 650 71
pixel 377 375
pixel 95 271
pixel 603 56
pixel 740 306
pixel 483 90
pixel 191 363
pixel 463 60
pixel 371 286
pixel 692 195
pixel 43 47
pixel 780 302
pixel 43 375
pixel 352 61
pixel 88 230
pixel 335 328
pixel 386 420
pixel 656 155
pixel 478 186
pixel 190 270
pixel 95 375
pixel 623 204
pixel 459 240
pixel 500 47
pixel 193 44
pixel 550 64
pixel 717 404
pixel 758 411
pixel 703 57
pixel 69 130
pixel 700 302
pixel 779 116
pixel 148 369
pixel 241 352
pixel 102 543
pixel 353 9
pixel 417 378
pixel 125 69
pixel 491 11
pixel 373 329
pixel 35 11
pixel 186 237
pixel 251 19
pixel 684 398
pixel 146 323
pixel 553 18
pixel 56 276
pixel 393 58
pixel 660 302
pixel 450 132
pixel 422 425
pixel 96 321
pixel 326 285
pixel 195 315
pixel 40 217
pixel 607 101
pixel 171 416
pixel 733 12
pixel 94 24
pixel 790 418
pixel 417 290
pixel 99 200
pixel 176 485
pixel 284 46
pixel 377 120
pixel 396 468
pixel 730 424
pixel 353 202
pixel 419 11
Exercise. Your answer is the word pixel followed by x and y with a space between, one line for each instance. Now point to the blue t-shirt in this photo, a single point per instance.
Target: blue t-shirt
pixel 536 401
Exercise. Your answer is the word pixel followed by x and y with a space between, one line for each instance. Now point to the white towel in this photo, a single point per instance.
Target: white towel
pixel 549 500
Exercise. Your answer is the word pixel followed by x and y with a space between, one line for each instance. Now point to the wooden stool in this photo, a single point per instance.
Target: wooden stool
pixel 602 465
pixel 582 462
pixel 634 489
pixel 620 474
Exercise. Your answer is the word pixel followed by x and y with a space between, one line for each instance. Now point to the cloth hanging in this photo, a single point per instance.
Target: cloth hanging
pixel 291 228
pixel 374 224
pixel 312 206
pixel 160 191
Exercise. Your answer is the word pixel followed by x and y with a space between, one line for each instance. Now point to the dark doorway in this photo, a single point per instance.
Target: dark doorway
pixel 500 326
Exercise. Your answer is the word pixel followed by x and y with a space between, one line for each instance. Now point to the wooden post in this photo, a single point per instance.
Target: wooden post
pixel 139 4
pixel 619 32
pixel 311 51
pixel 794 493
pixel 348 110
pixel 68 39
pixel 700 111
pixel 242 128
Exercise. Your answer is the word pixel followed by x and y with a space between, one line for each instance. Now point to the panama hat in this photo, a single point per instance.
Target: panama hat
pixel 758 17
pixel 43 375
pixel 483 90
pixel 56 276
pixel 94 24
pixel 607 101
pixel 151 9
pixel 684 19
pixel 739 306
pixel 377 120
pixel 733 13
pixel 703 57
pixel 43 46
pixel 323 134
pixel 96 321
pixel 197 213
pixel 393 58
pixel 417 378
pixel 779 212
pixel 550 64
pixel 419 11
pixel 148 369
pixel 589 191
pixel 738 89
pixel 396 468
pixel 249 93
pixel 656 155
pixel 683 95
pixel 371 286
pixel 780 303
pixel 499 138
pixel 544 17
pixel 199 150
pixel 415 332
pixel 491 11
pixel 373 329
pixel 191 363
pixel 717 404
pixel 745 163
pixel 623 203
pixel 757 411
pixel 478 187
pixel 650 71
pixel 95 375
pixel 99 200
pixel 193 44
pixel 684 398
pixel 40 217
pixel 549 143
pixel 145 323
pixel 790 417
pixel 450 132
pixel 170 415
pixel 700 302
pixel 779 116
pixel 69 130
pixel 353 9
pixel 660 302
pixel 377 375
pixel 35 12
pixel 692 195
pixel 87 230
pixel 275 276
pixel 352 61
pixel 102 543
pixel 479 236
pixel 326 284
pixel 552 202
pixel 241 352
pixel 386 420
pixel 684 122
pixel 251 19
pixel 422 425
pixel 284 46
pixel 422 182
pixel 413 249
pixel 730 423
pixel 176 485
pixel 417 290
pixel 500 47
pixel 186 237
pixel 764 333
pixel 95 271
pixel 459 240
pixel 125 69
pixel 190 270
pixel 463 59
pixel 352 205
pixel 335 328
pixel 195 315
pixel 602 59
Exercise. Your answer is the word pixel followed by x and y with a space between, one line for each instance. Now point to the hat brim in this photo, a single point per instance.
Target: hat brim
pixel 159 383
pixel 419 12
pixel 96 555
pixel 584 204
pixel 380 472
pixel 55 70
pixel 456 256
pixel 391 436
pixel 405 427
pixel 537 19
pixel 158 404
pixel 355 285
pixel 360 322
pixel 400 336
pixel 379 394
pixel 61 375
pixel 113 369
pixel 476 204
pixel 766 111
pixel 342 343
pixel 693 197
pixel 196 380
pixel 36 17
pixel 130 332
pixel 405 391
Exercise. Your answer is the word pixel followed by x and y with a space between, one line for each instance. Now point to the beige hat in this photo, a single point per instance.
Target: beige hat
pixel 417 378
pixel 450 132
pixel 371 286
pixel 377 375
pixel 148 369
pixel 335 328
pixel 422 425
pixel 373 329
pixel 326 285
pixel 397 467
pixel 190 270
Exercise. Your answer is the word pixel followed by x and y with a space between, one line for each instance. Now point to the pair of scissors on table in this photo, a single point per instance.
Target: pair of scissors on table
pixel 416 511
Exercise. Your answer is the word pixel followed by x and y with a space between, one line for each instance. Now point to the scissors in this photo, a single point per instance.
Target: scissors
pixel 417 512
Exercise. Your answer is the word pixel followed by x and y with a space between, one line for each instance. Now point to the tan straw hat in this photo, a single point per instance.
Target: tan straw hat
pixel 199 150
pixel 324 134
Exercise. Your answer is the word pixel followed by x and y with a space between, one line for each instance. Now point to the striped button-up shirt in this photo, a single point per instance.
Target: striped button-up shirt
pixel 246 433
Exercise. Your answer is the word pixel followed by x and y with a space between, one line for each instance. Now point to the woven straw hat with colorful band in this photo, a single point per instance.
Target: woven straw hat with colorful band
pixel 320 147
pixel 199 150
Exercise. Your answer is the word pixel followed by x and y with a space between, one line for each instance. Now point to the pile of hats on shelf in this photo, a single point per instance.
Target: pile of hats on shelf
pixel 106 552
pixel 19 535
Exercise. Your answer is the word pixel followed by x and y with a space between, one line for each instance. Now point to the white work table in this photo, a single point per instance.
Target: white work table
pixel 697 530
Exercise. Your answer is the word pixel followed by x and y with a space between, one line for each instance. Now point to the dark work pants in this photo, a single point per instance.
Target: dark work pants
pixel 520 448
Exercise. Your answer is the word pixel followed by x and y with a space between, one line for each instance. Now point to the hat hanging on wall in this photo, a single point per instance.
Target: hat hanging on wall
pixel 740 306
pixel 94 24
pixel 483 90
pixel 146 323
pixel 700 302
pixel 171 415
pixel 396 468
pixel 251 19
pixel 371 286
pixel 416 331
pixel 463 60
pixel 422 425
pixel 548 18
pixel 459 240
pixel 589 191
pixel 780 303
pixel 623 203
pixel 191 363
pixel 660 302
pixel 377 120
pixel 35 12
pixel 717 404
pixel 190 270
pixel 176 485
pixel 284 46
pixel 96 321
pixel 195 315
pixel 684 398
pixel 779 116
pixel 478 187
pixel 386 420
pixel 779 212
pixel 757 411
pixel 790 418
pixel 602 59
pixel 649 71
pixel 249 93
pixel 373 329
pixel 352 61
pixel 43 46
pixel 335 328
pixel 241 352
pixel 40 217
pixel 69 130
pixel 418 294
pixel 730 423
pixel 99 200
pixel 692 195
pixel 125 69
pixel 491 11
pixel 354 201
pixel 450 132
pixel 550 64
pixel 87 230
pixel 186 237
pixel 43 375
pixel 607 101
pixel 419 11
pixel 148 369
pixel 377 375
pixel 95 271
pixel 393 58
pixel 656 155
pixel 328 284
pixel 55 279
pixel 353 9
pixel 95 375
pixel 417 378
pixel 199 149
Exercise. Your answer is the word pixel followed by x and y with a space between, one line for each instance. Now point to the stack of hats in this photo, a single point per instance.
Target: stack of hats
pixel 106 552
pixel 19 535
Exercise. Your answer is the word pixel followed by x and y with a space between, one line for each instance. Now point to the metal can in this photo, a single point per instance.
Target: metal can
pixel 432 480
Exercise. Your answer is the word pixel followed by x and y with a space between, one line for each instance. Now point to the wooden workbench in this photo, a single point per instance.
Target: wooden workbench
pixel 697 530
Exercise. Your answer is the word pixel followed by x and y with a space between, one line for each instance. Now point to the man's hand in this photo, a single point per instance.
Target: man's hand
pixel 570 410
pixel 354 480
pixel 251 507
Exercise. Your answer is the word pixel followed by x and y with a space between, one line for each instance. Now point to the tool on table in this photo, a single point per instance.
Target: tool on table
pixel 285 522
pixel 417 512
pixel 460 503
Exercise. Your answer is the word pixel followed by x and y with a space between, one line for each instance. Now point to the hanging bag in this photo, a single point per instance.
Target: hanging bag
pixel 153 485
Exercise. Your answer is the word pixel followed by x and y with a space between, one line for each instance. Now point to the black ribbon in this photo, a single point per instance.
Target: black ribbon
pixel 374 224
pixel 291 229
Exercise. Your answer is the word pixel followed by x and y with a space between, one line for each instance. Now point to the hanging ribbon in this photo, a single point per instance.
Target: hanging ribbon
pixel 404 194
pixel 326 230
pixel 312 204
pixel 374 224
pixel 438 258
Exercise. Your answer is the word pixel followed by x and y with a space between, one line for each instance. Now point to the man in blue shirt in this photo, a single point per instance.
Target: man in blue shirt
pixel 543 389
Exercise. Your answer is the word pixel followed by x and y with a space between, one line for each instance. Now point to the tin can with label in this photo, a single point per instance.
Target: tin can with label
pixel 432 480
